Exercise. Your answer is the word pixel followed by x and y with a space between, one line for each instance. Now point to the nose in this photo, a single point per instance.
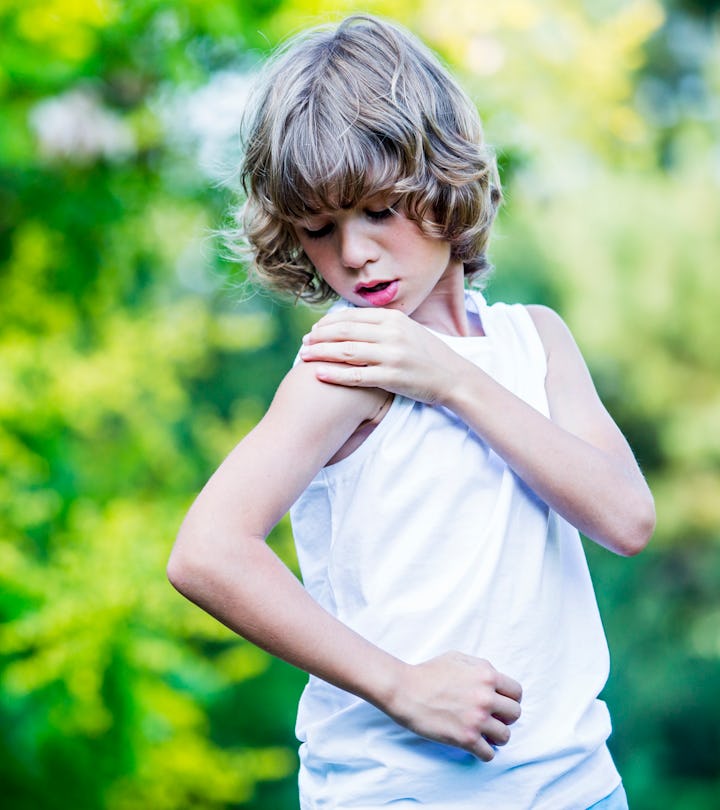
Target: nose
pixel 357 246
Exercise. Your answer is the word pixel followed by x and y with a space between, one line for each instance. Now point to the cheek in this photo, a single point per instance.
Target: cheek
pixel 321 260
pixel 435 252
pixel 312 252
pixel 420 245
pixel 444 251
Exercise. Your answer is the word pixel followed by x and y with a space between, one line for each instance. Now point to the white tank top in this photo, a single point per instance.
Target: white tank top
pixel 424 541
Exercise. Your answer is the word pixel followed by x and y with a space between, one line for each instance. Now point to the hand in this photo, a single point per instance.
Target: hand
pixel 382 348
pixel 459 700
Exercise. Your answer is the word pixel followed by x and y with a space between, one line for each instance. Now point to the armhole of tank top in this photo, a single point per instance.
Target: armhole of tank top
pixel 523 325
pixel 359 453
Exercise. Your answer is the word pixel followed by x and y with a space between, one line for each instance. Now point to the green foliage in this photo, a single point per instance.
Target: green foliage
pixel 129 370
pixel 107 422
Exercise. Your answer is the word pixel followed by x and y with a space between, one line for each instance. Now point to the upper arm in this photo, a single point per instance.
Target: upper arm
pixel 573 399
pixel 265 473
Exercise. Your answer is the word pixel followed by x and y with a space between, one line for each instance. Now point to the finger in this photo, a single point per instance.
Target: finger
pixel 508 686
pixel 341 331
pixel 343 374
pixel 506 709
pixel 356 314
pixel 496 733
pixel 348 351
pixel 482 749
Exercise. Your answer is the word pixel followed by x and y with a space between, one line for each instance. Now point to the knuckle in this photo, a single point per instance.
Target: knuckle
pixel 468 739
pixel 348 350
pixel 481 712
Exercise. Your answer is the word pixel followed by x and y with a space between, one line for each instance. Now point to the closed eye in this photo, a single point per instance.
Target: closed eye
pixel 325 230
pixel 378 215
pixel 319 232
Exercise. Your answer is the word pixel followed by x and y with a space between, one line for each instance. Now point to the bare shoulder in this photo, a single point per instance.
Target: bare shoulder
pixel 544 315
pixel 317 419
pixel 311 401
pixel 572 396
pixel 552 329
pixel 567 369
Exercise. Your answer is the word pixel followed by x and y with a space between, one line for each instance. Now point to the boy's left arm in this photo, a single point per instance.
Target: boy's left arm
pixel 577 461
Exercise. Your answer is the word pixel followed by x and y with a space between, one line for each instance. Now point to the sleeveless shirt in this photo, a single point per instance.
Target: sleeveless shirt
pixel 423 540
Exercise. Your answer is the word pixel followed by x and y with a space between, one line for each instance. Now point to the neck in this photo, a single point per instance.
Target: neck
pixel 444 310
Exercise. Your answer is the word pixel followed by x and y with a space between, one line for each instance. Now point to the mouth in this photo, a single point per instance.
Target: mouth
pixel 371 287
pixel 377 293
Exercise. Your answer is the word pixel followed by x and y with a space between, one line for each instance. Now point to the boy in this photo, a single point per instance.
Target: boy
pixel 437 454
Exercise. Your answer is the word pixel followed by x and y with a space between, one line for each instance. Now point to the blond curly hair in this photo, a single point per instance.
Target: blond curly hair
pixel 349 111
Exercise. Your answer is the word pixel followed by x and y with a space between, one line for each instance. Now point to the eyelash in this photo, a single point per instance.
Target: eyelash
pixel 377 216
pixel 319 233
pixel 383 214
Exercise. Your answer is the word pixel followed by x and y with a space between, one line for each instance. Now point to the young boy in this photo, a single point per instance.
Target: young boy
pixel 437 454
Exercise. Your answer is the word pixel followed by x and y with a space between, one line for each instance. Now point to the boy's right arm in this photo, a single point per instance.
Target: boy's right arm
pixel 221 562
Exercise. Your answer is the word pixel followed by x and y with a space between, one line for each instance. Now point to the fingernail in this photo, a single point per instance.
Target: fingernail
pixel 306 339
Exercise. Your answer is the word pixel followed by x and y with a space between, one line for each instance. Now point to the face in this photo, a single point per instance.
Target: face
pixel 374 256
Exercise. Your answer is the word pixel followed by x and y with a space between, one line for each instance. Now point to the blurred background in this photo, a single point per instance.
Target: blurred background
pixel 132 360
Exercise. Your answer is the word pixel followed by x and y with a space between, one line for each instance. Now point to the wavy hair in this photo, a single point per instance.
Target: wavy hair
pixel 347 112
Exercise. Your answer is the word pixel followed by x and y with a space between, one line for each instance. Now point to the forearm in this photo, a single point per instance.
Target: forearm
pixel 603 494
pixel 577 460
pixel 244 585
pixel 454 698
pixel 221 562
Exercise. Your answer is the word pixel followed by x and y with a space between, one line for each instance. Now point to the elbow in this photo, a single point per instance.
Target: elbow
pixel 182 572
pixel 638 529
pixel 204 564
pixel 176 571
pixel 187 567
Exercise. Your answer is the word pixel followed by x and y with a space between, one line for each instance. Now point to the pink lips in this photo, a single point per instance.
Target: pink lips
pixel 377 293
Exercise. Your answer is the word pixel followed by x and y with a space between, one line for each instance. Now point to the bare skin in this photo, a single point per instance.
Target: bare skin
pixel 577 461
pixel 221 562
